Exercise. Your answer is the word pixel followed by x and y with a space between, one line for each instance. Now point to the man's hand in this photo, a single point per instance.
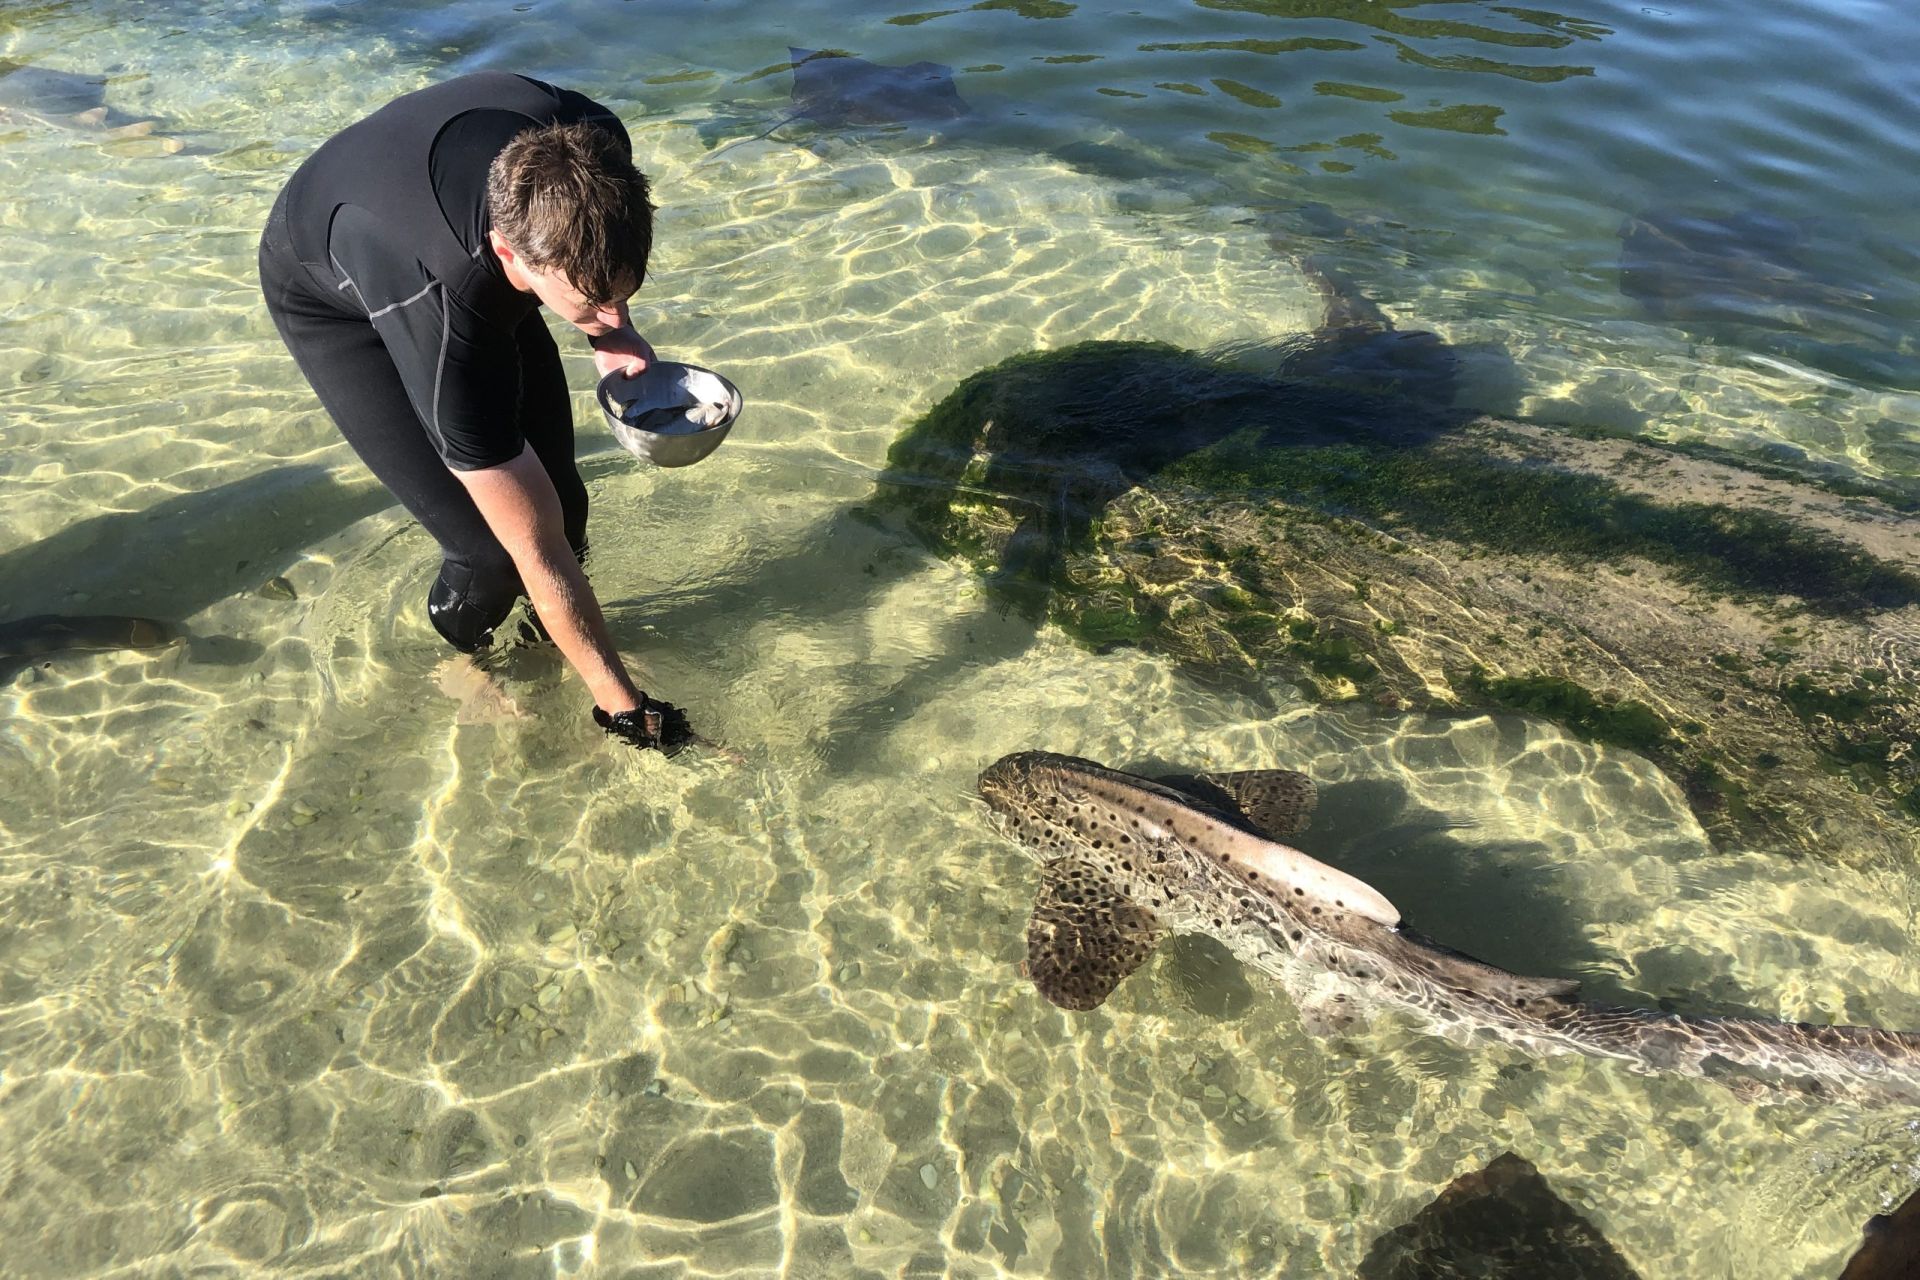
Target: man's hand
pixel 621 351
pixel 656 724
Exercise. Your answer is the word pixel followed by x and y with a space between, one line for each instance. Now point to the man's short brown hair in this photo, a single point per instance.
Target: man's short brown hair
pixel 568 199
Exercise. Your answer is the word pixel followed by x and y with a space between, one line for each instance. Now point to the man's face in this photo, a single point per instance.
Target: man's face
pixel 567 302
pixel 558 294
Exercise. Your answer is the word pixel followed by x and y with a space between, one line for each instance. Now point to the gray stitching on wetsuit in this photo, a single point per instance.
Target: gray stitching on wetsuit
pixel 346 282
pixel 395 306
pixel 440 372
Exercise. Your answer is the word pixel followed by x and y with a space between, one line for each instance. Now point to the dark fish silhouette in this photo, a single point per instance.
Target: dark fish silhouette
pixel 1750 266
pixel 68 100
pixel 837 91
pixel 27 640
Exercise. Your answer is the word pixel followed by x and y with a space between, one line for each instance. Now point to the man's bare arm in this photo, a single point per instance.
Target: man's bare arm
pixel 519 504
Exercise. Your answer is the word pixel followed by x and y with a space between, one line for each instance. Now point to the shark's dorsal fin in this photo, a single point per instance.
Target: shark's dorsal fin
pixel 1085 935
pixel 1275 802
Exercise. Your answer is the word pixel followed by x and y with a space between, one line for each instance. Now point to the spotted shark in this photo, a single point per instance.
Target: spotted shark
pixel 1128 860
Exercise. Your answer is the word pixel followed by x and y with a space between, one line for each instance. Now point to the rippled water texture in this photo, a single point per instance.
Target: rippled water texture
pixel 317 959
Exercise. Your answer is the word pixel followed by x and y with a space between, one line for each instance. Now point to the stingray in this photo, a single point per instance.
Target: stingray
pixel 838 91
pixel 68 100
pixel 1747 266
pixel 1778 286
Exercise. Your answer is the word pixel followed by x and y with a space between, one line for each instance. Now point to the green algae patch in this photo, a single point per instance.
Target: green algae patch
pixel 1361 92
pixel 1330 654
pixel 1845 699
pixel 1247 94
pixel 1474 498
pixel 1615 722
pixel 1461 118
pixel 1104 626
pixel 1710 791
pixel 1864 728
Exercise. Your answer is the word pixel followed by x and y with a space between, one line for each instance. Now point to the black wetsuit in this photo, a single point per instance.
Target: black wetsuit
pixel 379 276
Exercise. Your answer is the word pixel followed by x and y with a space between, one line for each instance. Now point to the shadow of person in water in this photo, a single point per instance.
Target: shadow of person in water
pixel 1055 437
pixel 162 564
pixel 1049 439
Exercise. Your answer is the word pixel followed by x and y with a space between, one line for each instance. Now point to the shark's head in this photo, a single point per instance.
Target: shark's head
pixel 1006 783
pixel 1017 793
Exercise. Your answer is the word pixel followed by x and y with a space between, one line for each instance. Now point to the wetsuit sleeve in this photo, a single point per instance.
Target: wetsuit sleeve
pixel 461 372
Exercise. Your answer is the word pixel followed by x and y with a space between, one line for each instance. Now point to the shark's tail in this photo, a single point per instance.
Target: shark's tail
pixel 1749 1055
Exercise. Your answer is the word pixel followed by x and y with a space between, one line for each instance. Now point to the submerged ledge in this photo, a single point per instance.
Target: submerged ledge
pixel 1752 632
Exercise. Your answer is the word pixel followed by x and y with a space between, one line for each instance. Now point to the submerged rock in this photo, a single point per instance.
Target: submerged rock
pixel 711 1177
pixel 1316 512
pixel 1890 1245
pixel 1501 1223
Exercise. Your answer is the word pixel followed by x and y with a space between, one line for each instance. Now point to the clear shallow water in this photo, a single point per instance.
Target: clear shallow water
pixel 301 974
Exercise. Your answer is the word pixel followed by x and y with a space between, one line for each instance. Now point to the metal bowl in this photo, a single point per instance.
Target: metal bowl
pixel 672 415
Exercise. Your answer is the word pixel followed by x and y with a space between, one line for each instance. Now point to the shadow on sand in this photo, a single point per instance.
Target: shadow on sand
pixel 164 563
pixel 1050 439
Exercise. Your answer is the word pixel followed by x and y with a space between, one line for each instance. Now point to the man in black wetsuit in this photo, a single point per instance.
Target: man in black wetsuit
pixel 405 265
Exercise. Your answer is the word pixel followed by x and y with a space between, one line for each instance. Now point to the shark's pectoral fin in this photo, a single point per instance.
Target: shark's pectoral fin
pixel 1085 936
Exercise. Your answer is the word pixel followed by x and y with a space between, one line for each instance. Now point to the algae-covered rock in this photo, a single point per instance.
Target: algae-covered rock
pixel 1503 1222
pixel 1316 513
pixel 1889 1246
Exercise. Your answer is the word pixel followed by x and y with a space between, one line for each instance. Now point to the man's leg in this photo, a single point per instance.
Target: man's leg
pixel 348 366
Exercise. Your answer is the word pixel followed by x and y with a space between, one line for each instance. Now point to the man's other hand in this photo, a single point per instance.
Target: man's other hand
pixel 621 351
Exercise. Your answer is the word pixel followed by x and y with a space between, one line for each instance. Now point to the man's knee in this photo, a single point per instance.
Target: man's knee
pixel 466 602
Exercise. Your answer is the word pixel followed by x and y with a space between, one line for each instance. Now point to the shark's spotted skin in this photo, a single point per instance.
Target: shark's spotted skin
pixel 1128 859
pixel 1278 802
pixel 1118 820
pixel 1085 936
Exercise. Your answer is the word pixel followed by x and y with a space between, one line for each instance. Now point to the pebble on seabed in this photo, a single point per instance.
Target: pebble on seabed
pixel 930 1176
